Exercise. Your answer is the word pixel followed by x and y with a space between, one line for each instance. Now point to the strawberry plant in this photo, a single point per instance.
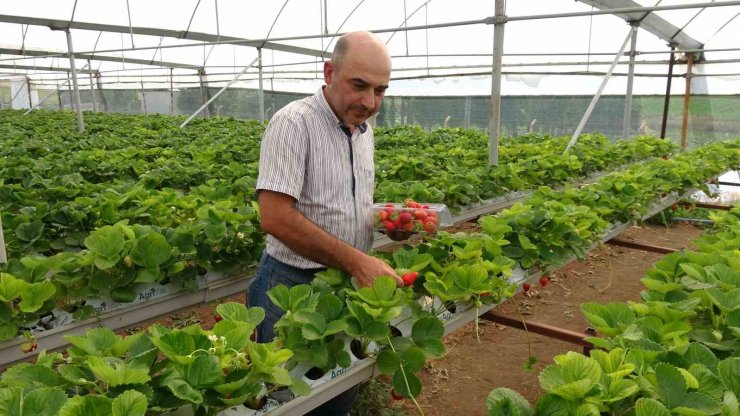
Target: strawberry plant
pixel 310 327
pixel 21 304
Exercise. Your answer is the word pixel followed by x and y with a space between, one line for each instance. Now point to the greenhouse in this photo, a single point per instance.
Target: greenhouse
pixel 540 218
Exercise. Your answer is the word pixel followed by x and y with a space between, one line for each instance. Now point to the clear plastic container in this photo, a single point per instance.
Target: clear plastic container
pixel 400 221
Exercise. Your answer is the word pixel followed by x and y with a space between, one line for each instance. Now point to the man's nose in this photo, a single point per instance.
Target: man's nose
pixel 368 100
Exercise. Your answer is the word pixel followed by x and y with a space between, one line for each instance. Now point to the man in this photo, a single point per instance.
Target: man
pixel 316 180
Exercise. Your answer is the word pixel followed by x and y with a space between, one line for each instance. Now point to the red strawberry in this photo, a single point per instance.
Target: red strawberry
pixel 409 278
pixel 28 346
pixel 405 217
pixel 544 280
pixel 409 226
pixel 395 395
pixel 674 207
pixel 389 205
pixel 397 224
pixel 430 227
pixel 389 226
pixel 383 215
pixel 425 206
pixel 217 318
pixel 526 287
pixel 420 214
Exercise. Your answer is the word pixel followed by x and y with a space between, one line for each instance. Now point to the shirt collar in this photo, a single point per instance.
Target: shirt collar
pixel 326 109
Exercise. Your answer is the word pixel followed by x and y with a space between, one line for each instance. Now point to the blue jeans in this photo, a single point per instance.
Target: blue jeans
pixel 272 272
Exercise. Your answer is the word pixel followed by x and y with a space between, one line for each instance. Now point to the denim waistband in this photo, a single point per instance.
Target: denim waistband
pixel 266 257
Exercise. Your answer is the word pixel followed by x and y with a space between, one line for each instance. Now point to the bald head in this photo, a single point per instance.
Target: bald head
pixel 359 42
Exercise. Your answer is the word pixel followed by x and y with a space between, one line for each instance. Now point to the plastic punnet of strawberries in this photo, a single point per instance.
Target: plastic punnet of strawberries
pixel 401 221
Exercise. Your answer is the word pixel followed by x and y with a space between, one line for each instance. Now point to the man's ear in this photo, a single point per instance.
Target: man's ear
pixel 328 72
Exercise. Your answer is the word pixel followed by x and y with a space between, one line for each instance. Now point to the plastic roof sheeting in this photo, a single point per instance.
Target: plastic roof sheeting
pixel 593 41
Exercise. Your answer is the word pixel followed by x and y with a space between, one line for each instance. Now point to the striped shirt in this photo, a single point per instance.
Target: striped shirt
pixel 306 153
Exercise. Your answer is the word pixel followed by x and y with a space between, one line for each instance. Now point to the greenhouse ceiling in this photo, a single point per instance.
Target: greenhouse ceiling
pixel 439 47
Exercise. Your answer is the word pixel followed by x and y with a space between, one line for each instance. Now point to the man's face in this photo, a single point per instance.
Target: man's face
pixel 356 88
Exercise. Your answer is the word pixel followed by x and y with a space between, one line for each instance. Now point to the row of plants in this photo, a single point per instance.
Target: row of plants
pixel 675 352
pixel 56 187
pixel 442 273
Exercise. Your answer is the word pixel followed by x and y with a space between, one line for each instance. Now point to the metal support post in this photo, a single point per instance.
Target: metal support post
pixel 206 113
pixel 468 108
pixel 172 95
pixel 3 255
pixel 28 87
pixel 686 101
pixel 594 100
pixel 185 123
pixel 667 100
pixel 103 101
pixel 498 52
pixel 92 89
pixel 262 89
pixel 70 49
pixel 630 82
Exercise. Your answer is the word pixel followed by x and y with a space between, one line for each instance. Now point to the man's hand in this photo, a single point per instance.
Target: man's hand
pixel 310 241
pixel 367 268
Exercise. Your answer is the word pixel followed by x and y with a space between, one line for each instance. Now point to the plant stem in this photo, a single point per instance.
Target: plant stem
pixel 611 273
pixel 405 380
pixel 477 333
pixel 524 323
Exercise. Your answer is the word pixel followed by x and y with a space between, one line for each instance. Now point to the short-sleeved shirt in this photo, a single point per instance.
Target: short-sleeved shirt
pixel 306 153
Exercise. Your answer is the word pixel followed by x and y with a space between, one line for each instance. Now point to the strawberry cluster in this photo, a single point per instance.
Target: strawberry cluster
pixel 399 223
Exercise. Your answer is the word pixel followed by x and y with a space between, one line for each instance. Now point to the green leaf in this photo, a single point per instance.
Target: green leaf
pixel 411 260
pixel 427 333
pixel 671 385
pixel 31 375
pixel 97 341
pixel 507 402
pixel 130 403
pixel 203 372
pixel 729 373
pixel 610 319
pixel 120 374
pixel 330 307
pixel 573 376
pixel 388 361
pixel 151 251
pixel 650 407
pixel 174 344
pixel 412 359
pixel 708 383
pixel 86 406
pixel 181 389
pixel 698 353
pixel 10 287
pixel 552 405
pixel 414 384
pixel 238 312
pixel 29 231
pixel 106 242
pixel 620 389
pixel 10 401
